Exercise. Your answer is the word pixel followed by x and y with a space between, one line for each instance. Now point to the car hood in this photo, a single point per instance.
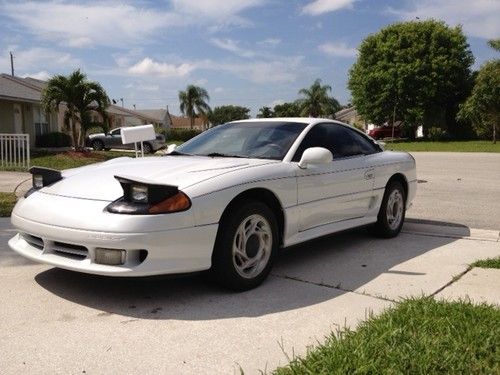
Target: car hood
pixel 97 182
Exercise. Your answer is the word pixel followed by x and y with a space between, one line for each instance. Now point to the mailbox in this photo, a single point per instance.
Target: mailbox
pixel 135 134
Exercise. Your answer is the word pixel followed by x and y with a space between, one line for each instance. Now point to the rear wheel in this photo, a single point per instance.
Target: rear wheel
pixel 392 211
pixel 245 248
pixel 148 149
pixel 97 145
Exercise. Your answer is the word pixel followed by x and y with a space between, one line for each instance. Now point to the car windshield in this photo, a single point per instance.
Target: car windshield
pixel 259 139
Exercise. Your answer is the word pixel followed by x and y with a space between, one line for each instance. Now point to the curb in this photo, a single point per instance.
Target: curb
pixel 423 227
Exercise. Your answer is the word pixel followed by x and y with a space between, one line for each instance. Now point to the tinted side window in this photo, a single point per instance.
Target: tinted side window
pixel 364 144
pixel 336 138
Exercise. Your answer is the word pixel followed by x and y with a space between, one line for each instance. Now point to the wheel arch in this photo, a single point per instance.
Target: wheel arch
pixel 401 178
pixel 265 196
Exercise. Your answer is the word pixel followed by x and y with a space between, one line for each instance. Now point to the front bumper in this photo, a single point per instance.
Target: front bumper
pixel 168 252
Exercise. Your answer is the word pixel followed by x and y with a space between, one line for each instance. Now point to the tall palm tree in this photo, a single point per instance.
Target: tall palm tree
pixel 193 102
pixel 80 97
pixel 316 101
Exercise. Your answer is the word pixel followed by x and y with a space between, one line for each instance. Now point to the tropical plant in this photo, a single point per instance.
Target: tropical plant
pixel 289 109
pixel 265 112
pixel 495 44
pixel 316 102
pixel 415 72
pixel 79 97
pixel 193 102
pixel 227 113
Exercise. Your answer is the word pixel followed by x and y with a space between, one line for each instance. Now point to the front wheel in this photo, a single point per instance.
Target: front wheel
pixel 97 145
pixel 245 247
pixel 392 211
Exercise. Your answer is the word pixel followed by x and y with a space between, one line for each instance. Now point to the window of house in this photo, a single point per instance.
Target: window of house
pixel 41 121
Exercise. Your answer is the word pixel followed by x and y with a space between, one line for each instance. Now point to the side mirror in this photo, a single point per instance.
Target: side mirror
pixel 315 155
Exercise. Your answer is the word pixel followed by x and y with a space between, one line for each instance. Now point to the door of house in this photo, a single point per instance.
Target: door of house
pixel 18 119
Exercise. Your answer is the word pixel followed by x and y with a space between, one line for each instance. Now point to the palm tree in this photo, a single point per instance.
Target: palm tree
pixel 193 102
pixel 80 97
pixel 316 101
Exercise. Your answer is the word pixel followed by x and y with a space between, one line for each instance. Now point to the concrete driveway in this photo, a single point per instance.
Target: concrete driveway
pixel 55 321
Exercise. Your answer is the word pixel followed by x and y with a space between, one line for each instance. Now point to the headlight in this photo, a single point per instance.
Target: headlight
pixel 43 177
pixel 148 198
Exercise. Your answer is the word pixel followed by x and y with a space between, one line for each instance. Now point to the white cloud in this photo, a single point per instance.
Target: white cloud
pixel 479 18
pixel 43 75
pixel 338 49
pixel 270 42
pixel 318 7
pixel 149 67
pixel 214 9
pixel 84 24
pixel 218 90
pixel 38 59
pixel 232 46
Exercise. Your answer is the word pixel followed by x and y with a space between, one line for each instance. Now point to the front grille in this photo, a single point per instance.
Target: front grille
pixel 71 251
pixel 34 241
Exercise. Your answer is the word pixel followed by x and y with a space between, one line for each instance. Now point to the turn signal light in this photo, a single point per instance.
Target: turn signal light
pixel 176 203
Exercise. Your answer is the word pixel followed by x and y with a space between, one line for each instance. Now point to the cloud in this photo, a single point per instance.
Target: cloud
pixel 214 9
pixel 43 75
pixel 38 59
pixel 338 49
pixel 479 19
pixel 218 89
pixel 231 46
pixel 84 24
pixel 318 7
pixel 149 67
pixel 269 42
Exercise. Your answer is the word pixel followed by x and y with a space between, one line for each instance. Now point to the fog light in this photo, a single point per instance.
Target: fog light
pixel 111 257
pixel 37 181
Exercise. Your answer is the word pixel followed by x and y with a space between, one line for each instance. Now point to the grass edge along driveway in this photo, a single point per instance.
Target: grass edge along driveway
pixel 418 336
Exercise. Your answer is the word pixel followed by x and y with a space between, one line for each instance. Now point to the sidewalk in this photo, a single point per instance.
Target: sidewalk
pixel 10 180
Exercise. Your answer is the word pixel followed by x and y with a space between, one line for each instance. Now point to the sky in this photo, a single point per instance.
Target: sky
pixel 252 53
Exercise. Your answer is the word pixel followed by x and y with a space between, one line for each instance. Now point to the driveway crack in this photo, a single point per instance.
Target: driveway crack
pixel 452 281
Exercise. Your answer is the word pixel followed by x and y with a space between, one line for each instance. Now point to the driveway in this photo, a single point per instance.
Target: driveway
pixel 55 321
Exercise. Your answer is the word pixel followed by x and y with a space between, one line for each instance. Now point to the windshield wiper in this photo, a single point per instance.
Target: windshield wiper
pixel 212 154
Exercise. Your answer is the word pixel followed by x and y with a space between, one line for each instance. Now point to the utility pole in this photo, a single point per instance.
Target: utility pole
pixel 121 99
pixel 12 63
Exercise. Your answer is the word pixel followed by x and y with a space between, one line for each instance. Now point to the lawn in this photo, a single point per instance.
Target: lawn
pixel 70 159
pixel 7 202
pixel 451 146
pixel 419 336
pixel 487 263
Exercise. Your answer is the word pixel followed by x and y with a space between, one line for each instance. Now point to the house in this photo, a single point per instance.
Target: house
pixel 20 109
pixel 350 116
pixel 160 116
pixel 182 122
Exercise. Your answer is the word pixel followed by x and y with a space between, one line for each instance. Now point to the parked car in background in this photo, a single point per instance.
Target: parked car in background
pixel 225 201
pixel 113 139
pixel 384 131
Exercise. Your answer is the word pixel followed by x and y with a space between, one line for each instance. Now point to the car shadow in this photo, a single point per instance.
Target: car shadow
pixel 304 275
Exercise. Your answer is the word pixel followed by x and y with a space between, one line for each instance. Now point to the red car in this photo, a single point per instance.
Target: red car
pixel 384 132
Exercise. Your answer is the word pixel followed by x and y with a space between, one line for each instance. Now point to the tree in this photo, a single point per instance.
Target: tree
pixel 227 113
pixel 80 98
pixel 482 107
pixel 316 102
pixel 193 102
pixel 265 112
pixel 495 44
pixel 416 72
pixel 291 109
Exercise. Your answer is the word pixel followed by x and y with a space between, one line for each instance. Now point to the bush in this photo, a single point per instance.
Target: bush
pixel 55 139
pixel 95 129
pixel 180 134
pixel 437 134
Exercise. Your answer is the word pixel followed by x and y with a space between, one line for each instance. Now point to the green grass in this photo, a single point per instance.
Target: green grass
pixel 66 160
pixel 487 263
pixel 451 146
pixel 7 202
pixel 419 336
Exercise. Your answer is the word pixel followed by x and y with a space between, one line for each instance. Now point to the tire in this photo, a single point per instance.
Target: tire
pixel 97 145
pixel 392 211
pixel 233 269
pixel 148 149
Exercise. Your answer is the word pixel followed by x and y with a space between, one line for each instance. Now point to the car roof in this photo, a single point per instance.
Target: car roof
pixel 302 120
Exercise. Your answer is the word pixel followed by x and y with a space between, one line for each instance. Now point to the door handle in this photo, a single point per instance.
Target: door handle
pixel 370 174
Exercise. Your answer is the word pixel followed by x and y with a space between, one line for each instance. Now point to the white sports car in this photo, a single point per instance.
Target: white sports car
pixel 224 201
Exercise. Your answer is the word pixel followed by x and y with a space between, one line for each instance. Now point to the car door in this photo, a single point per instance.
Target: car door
pixel 340 190
pixel 114 139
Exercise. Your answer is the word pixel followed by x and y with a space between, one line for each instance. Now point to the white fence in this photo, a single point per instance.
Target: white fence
pixel 15 150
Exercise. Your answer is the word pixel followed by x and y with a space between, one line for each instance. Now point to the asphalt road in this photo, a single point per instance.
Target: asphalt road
pixel 459 188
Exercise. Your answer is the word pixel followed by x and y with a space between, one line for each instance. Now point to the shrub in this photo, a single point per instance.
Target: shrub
pixel 180 134
pixel 437 134
pixel 55 139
